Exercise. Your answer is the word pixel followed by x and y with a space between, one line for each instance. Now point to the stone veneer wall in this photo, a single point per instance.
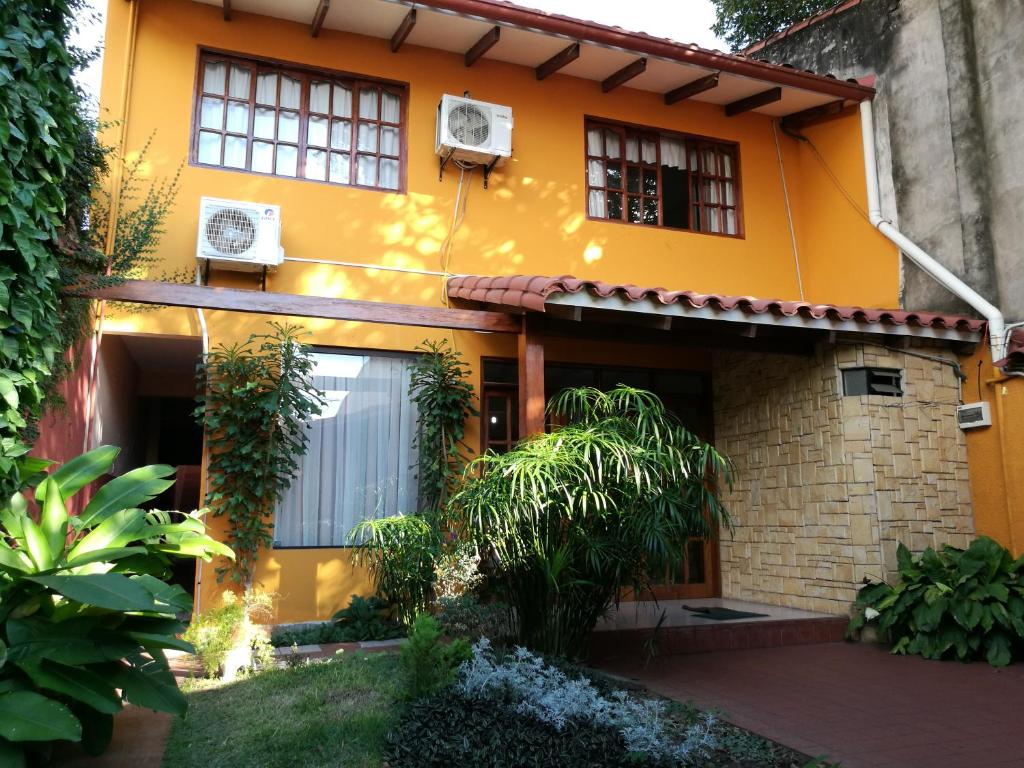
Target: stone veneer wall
pixel 827 485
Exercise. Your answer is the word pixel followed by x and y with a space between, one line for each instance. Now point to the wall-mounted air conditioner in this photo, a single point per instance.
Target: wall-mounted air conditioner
pixel 971 415
pixel 473 131
pixel 239 235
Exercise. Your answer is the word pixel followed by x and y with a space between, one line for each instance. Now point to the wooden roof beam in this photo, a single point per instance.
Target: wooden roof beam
pixel 692 88
pixel 624 75
pixel 561 59
pixel 403 30
pixel 799 120
pixel 753 102
pixel 296 305
pixel 483 45
pixel 318 17
pixel 227 10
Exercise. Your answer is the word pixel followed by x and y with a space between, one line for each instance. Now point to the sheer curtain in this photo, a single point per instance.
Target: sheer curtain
pixel 361 462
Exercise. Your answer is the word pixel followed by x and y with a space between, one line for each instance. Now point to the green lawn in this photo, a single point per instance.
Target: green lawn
pixel 318 715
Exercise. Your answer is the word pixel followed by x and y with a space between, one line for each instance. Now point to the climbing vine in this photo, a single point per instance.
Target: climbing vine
pixel 258 397
pixel 444 400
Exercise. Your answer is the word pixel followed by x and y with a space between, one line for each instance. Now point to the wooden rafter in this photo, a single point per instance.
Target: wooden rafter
pixel 624 75
pixel 403 30
pixel 483 45
pixel 318 17
pixel 753 102
pixel 692 88
pixel 267 303
pixel 559 60
pixel 798 120
pixel 227 10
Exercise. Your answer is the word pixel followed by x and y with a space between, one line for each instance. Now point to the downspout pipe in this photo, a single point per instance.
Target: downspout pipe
pixel 996 323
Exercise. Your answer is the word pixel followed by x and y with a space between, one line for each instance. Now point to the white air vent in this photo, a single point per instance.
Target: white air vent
pixel 473 131
pixel 239 235
pixel 971 415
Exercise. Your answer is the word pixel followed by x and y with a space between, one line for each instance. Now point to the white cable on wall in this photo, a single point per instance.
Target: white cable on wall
pixel 789 211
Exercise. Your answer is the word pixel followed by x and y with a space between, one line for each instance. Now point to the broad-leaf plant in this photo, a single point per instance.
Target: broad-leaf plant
pixel 85 613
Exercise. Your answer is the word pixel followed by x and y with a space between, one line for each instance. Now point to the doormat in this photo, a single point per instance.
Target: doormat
pixel 722 614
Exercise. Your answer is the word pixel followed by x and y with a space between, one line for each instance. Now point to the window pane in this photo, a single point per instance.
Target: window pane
pixel 708 162
pixel 634 209
pixel 339 168
pixel 209 147
pixel 695 221
pixel 290 93
pixel 728 192
pixel 594 142
pixel 266 88
pixel 262 157
pixel 614 176
pixel 388 173
pixel 595 175
pixel 288 126
pixel 341 134
pixel 238 117
pixel 693 160
pixel 614 205
pixel 263 126
pixel 213 77
pixel 611 144
pixel 711 191
pixel 366 170
pixel 389 142
pixel 633 179
pixel 287 160
pixel 390 108
pixel 212 113
pixel 238 83
pixel 234 151
pixel 595 203
pixel 714 219
pixel 650 182
pixel 649 152
pixel 342 106
pixel 497 422
pixel 730 221
pixel 727 165
pixel 320 97
pixel 317 131
pixel 650 210
pixel 368 103
pixel 367 137
pixel 316 164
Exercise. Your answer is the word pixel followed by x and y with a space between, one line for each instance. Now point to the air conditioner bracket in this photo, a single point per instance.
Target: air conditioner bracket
pixel 490 167
pixel 442 162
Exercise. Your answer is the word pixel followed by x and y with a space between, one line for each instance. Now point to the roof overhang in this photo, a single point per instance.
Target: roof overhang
pixel 532 38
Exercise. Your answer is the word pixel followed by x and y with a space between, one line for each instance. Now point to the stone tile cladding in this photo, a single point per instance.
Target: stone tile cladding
pixel 827 485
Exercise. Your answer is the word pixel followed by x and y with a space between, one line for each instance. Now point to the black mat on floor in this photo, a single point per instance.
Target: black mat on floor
pixel 722 614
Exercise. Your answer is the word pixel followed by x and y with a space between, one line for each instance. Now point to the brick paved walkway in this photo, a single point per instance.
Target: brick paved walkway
pixel 856 703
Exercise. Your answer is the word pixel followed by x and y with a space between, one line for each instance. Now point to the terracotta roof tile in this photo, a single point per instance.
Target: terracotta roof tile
pixel 531 291
pixel 1014 350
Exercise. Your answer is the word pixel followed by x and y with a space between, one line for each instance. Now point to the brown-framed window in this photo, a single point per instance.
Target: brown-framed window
pixel 270 118
pixel 651 177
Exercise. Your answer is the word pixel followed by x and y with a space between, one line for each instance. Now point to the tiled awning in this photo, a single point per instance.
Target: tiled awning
pixel 1014 351
pixel 537 293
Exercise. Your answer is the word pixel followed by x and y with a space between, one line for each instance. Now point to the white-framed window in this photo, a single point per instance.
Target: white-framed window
pixel 361 462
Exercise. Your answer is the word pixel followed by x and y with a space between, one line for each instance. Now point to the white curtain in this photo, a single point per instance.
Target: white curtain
pixel 390 111
pixel 673 152
pixel 319 97
pixel 213 77
pixel 637 149
pixel 361 462
pixel 595 145
pixel 595 203
pixel 238 83
pixel 266 88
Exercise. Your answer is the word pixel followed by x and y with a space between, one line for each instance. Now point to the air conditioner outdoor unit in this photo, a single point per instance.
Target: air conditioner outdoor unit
pixel 473 131
pixel 971 415
pixel 239 235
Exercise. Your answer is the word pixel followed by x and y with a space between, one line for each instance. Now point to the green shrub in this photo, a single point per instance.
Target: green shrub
pixel 465 616
pixel 426 662
pixel 233 627
pixel 365 618
pixel 963 604
pixel 84 614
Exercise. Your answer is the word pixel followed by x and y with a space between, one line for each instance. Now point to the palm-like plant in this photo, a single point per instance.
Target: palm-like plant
pixel 85 615
pixel 577 514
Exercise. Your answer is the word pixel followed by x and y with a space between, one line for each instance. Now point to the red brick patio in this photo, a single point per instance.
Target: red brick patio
pixel 856 703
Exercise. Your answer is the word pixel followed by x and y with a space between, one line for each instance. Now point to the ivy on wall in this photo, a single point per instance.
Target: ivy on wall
pixel 258 397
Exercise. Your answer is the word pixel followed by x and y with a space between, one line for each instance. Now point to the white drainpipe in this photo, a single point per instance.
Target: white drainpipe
pixel 996 324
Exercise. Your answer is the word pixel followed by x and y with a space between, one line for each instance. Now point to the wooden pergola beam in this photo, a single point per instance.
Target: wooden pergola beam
pixel 483 45
pixel 227 10
pixel 318 17
pixel 624 75
pixel 295 305
pixel 403 30
pixel 692 88
pixel 798 120
pixel 563 58
pixel 753 102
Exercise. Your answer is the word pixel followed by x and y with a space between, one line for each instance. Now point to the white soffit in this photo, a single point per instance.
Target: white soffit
pixel 450 32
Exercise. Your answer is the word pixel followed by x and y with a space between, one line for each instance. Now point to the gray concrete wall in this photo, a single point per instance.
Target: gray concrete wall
pixel 949 128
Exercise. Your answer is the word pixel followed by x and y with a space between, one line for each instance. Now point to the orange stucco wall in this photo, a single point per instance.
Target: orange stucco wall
pixel 531 220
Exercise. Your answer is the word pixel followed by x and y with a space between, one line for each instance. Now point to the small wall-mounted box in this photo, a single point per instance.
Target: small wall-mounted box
pixel 971 415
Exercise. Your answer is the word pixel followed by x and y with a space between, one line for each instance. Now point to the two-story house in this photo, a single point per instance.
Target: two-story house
pixel 653 189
